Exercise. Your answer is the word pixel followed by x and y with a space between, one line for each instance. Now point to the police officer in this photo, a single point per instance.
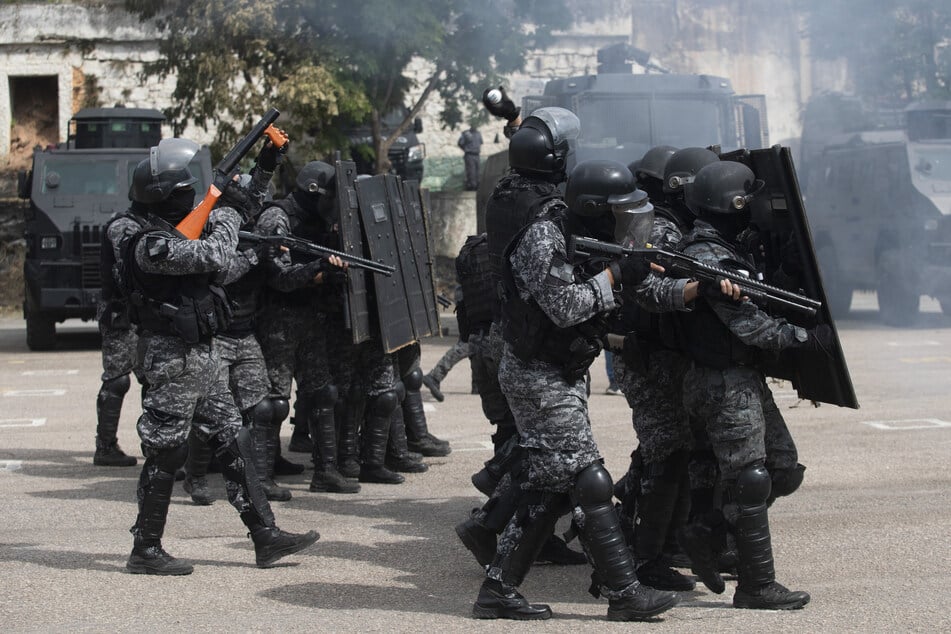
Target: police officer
pixel 552 334
pixel 178 309
pixel 119 340
pixel 650 374
pixel 301 328
pixel 725 388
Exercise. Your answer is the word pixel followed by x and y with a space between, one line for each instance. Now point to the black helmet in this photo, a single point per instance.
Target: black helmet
pixel 540 147
pixel 316 178
pixel 632 166
pixel 683 166
pixel 595 186
pixel 654 160
pixel 604 197
pixel 166 170
pixel 723 188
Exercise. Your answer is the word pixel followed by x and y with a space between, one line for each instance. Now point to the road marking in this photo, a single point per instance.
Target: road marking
pixel 911 344
pixel 926 360
pixel 482 445
pixel 22 422
pixel 34 392
pixel 10 465
pixel 429 407
pixel 48 372
pixel 907 423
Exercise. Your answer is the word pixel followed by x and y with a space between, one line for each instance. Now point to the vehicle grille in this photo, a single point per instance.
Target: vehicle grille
pixel 89 240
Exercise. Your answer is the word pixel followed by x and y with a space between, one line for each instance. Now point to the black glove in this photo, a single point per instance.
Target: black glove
pixel 630 271
pixel 711 291
pixel 821 339
pixel 334 275
pixel 271 156
pixel 239 199
pixel 504 108
pixel 265 251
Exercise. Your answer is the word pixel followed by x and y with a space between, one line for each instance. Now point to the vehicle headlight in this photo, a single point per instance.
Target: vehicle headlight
pixel 49 242
pixel 417 152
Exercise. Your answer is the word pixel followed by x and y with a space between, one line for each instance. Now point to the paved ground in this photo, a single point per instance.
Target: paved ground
pixel 868 533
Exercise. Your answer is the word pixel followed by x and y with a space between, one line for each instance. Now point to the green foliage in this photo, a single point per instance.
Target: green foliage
pixel 897 49
pixel 327 64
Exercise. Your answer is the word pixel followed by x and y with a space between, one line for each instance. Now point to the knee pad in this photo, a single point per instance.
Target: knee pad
pixel 262 414
pixel 170 459
pixel 593 486
pixel 384 404
pixel 326 396
pixel 413 380
pixel 786 481
pixel 400 388
pixel 752 486
pixel 117 387
pixel 280 408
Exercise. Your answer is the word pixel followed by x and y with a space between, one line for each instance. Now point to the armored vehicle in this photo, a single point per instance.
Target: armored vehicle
pixel 877 189
pixel 74 188
pixel 624 114
pixel 406 154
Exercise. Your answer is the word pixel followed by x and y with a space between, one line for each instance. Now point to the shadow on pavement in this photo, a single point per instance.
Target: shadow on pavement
pixel 75 560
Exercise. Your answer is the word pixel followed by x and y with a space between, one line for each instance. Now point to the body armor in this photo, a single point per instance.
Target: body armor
pixel 472 271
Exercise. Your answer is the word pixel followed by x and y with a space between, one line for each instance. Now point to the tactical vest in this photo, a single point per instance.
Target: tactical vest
pixel 187 306
pixel 515 202
pixel 533 335
pixel 244 295
pixel 115 313
pixel 478 291
pixel 304 226
pixel 700 333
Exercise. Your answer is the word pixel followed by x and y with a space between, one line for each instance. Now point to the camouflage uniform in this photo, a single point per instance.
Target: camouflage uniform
pixel 550 408
pixel 185 385
pixel 741 419
pixel 119 343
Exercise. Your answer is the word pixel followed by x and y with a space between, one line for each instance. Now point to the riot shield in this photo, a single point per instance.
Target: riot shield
pixel 351 238
pixel 419 238
pixel 784 234
pixel 396 324
pixel 407 267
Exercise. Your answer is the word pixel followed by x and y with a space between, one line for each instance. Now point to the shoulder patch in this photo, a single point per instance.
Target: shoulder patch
pixel 157 245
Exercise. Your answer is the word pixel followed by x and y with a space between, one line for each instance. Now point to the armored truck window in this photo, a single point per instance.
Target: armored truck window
pixel 80 177
pixel 683 123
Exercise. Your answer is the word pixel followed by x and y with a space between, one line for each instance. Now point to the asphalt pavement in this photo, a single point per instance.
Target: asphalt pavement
pixel 868 534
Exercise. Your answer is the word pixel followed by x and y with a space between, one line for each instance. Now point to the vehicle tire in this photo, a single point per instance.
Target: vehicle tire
pixel 40 333
pixel 898 301
pixel 838 293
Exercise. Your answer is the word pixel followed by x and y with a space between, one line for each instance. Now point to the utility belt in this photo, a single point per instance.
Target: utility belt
pixel 570 351
pixel 194 319
pixel 116 315
pixel 240 328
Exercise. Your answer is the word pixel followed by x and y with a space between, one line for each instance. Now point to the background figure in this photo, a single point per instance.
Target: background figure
pixel 612 388
pixel 470 142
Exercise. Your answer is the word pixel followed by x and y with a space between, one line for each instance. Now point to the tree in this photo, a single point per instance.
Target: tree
pixel 327 62
pixel 895 49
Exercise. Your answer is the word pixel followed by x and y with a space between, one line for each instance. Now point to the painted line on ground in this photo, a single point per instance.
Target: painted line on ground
pixel 907 344
pixel 429 407
pixel 49 372
pixel 925 360
pixel 10 465
pixel 907 424
pixel 22 422
pixel 483 445
pixel 34 392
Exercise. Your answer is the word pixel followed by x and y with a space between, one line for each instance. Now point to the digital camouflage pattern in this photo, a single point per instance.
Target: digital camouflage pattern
pixel 551 414
pixel 741 419
pixel 456 353
pixel 241 358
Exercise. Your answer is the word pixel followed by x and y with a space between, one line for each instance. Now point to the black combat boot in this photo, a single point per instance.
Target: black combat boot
pixel 533 523
pixel 414 418
pixel 398 456
pixel 556 552
pixel 376 432
pixel 271 544
pixel 757 588
pixel 499 601
pixel 324 434
pixel 148 557
pixel 433 385
pixel 108 409
pixel 699 541
pixel 656 505
pixel 486 479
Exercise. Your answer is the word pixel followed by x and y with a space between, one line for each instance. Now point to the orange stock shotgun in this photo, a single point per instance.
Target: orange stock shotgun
pixel 191 225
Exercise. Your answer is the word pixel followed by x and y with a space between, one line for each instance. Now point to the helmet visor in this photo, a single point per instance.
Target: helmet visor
pixel 633 222
pixel 563 124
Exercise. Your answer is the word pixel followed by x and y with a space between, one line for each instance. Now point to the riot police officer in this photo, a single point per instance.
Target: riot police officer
pixel 725 388
pixel 178 309
pixel 552 334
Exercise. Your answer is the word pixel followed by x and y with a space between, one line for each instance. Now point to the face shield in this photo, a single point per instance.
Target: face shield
pixel 633 219
pixel 563 125
pixel 171 157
